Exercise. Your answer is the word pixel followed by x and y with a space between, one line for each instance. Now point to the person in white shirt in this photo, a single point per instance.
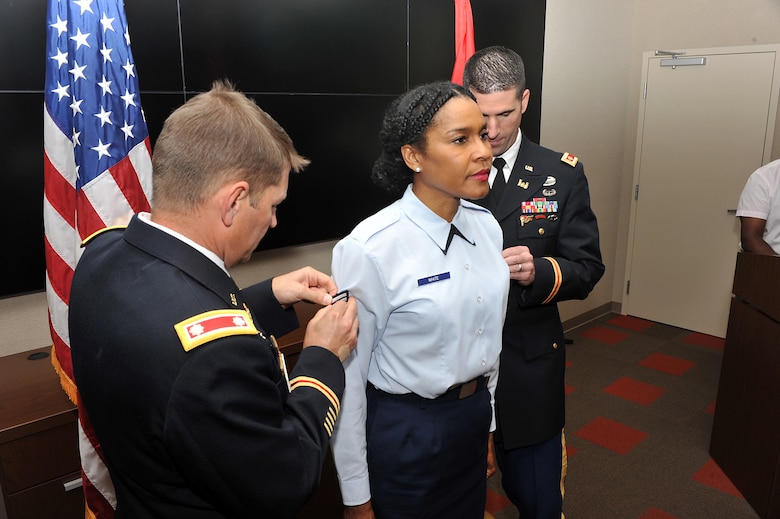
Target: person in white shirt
pixel 759 211
pixel 412 440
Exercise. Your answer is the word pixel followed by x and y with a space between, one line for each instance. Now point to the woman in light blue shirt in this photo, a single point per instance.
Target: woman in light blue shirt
pixel 412 439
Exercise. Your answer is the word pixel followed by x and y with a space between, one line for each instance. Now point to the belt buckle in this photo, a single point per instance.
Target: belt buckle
pixel 468 389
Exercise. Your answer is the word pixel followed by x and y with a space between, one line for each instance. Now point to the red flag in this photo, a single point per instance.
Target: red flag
pixel 97 173
pixel 464 38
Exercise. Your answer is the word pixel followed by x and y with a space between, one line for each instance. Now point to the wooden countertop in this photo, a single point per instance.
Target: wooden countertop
pixel 31 398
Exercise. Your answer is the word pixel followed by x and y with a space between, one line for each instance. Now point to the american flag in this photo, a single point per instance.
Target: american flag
pixel 97 172
pixel 464 38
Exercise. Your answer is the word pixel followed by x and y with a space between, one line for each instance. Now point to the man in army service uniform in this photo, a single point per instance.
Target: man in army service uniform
pixel 551 244
pixel 175 366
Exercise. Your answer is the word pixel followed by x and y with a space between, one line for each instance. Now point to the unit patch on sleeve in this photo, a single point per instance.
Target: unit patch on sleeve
pixel 214 324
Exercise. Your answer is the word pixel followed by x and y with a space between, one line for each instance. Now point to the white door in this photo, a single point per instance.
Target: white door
pixel 706 122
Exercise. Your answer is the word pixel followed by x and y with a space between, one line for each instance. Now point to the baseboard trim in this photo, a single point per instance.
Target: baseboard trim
pixel 591 315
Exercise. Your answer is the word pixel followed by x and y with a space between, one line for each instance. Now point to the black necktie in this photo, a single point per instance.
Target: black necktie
pixel 499 183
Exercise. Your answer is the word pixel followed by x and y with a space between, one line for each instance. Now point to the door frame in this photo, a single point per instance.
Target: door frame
pixel 771 142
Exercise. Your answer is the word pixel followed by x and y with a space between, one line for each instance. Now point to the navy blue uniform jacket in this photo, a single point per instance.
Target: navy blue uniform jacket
pixel 207 433
pixel 560 230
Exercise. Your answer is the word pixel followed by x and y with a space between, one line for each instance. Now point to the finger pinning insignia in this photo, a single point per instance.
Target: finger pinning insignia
pixel 233 299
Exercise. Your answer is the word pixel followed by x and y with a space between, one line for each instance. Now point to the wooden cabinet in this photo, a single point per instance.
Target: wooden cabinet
pixel 745 438
pixel 40 472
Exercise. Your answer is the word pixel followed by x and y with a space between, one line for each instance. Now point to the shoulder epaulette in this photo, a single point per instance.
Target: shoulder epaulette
pixel 101 231
pixel 376 223
pixel 569 159
pixel 215 324
pixel 468 204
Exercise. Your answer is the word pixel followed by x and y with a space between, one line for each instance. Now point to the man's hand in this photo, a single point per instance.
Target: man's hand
pixel 364 511
pixel 521 264
pixel 491 458
pixel 306 284
pixel 334 328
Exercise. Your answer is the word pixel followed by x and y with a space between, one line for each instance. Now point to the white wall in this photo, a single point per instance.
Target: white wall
pixel 592 61
pixel 24 319
pixel 592 75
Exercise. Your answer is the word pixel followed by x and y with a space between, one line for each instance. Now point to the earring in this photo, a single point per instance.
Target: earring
pixel 417 169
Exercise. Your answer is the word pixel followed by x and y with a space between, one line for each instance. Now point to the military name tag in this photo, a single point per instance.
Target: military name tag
pixel 433 279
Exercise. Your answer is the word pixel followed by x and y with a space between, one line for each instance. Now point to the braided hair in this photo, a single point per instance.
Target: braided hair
pixel 406 121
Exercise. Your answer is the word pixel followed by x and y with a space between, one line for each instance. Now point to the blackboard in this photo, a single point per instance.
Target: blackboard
pixel 325 69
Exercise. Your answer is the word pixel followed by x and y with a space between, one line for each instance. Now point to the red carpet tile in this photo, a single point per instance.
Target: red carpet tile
pixel 612 435
pixel 654 513
pixel 635 391
pixel 496 502
pixel 570 451
pixel 711 475
pixel 568 389
pixel 667 364
pixel 707 341
pixel 631 323
pixel 605 335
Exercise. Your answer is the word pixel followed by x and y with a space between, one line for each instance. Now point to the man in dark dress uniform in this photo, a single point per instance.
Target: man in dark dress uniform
pixel 551 244
pixel 177 368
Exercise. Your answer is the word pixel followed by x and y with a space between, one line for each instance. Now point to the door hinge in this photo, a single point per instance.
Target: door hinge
pixel 628 286
pixel 636 192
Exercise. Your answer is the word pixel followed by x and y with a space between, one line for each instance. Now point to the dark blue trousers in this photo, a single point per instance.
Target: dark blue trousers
pixel 531 478
pixel 428 458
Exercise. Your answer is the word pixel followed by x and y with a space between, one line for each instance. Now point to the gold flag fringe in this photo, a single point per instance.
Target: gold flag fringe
pixel 65 381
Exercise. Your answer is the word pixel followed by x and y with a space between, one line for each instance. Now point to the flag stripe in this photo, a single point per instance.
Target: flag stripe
pixel 58 270
pixel 59 192
pixel 130 182
pixel 61 235
pixel 93 468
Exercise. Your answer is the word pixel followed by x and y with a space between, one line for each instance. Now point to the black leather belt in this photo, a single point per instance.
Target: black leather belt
pixel 456 392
